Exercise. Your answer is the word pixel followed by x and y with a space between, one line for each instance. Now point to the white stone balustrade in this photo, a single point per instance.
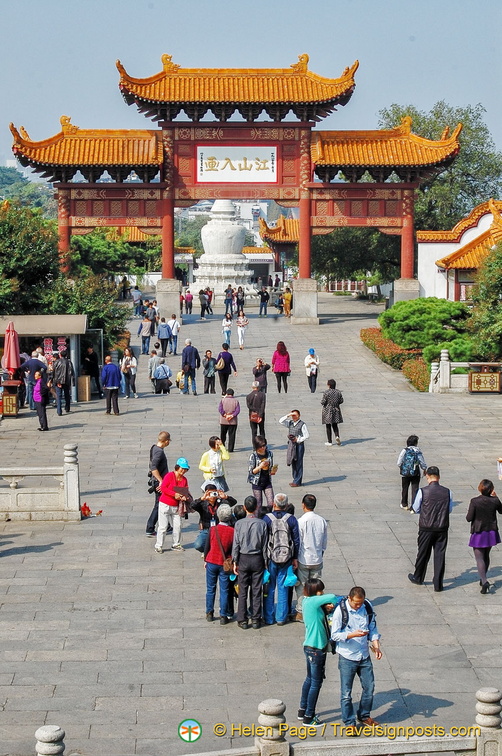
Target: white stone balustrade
pixel 46 501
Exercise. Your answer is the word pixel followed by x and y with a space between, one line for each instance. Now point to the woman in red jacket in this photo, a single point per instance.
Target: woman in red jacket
pixel 218 548
pixel 281 366
pixel 169 503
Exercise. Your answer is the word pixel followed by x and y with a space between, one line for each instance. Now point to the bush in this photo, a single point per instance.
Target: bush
pixel 417 372
pixel 418 323
pixel 386 350
pixel 460 349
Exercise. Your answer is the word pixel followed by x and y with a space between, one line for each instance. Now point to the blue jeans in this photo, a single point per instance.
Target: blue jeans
pixel 174 343
pixel 29 394
pixel 348 670
pixel 190 374
pixel 200 542
pixel 215 574
pixel 263 308
pixel 62 391
pixel 316 662
pixel 228 306
pixel 226 335
pixel 137 309
pixel 278 574
pixel 145 344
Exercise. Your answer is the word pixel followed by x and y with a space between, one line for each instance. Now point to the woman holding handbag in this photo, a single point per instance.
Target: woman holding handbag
pixel 129 366
pixel 217 561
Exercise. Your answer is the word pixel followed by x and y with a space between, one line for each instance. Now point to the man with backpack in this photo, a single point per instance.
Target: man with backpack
pixel 410 462
pixel 283 546
pixel 354 631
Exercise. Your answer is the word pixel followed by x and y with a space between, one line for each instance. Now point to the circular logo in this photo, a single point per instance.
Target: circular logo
pixel 189 730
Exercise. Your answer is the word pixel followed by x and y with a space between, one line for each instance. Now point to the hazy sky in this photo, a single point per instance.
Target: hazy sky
pixel 58 56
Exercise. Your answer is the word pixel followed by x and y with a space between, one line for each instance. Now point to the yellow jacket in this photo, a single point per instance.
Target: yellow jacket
pixel 213 459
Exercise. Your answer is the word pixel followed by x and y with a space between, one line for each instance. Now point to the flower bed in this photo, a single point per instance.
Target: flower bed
pixel 386 350
pixel 417 372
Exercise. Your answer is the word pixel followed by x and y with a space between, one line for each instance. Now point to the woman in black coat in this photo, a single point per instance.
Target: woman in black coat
pixel 482 514
pixel 331 413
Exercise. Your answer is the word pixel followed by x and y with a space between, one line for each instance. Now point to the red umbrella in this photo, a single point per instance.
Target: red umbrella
pixel 11 360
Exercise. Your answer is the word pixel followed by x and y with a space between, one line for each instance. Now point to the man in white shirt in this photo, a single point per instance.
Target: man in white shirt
pixel 297 435
pixel 313 542
pixel 175 326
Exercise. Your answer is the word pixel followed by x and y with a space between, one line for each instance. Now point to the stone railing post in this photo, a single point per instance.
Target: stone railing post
pixel 444 370
pixel 71 478
pixel 50 740
pixel 272 743
pixel 434 381
pixel 488 708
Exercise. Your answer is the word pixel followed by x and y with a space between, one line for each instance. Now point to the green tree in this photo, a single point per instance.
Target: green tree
pixel 418 323
pixel 99 253
pixel 189 233
pixel 486 321
pixel 476 172
pixel 93 296
pixel 352 252
pixel 14 186
pixel 28 258
pixel 8 177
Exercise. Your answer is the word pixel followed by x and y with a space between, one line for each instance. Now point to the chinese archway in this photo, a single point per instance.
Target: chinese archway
pixel 181 162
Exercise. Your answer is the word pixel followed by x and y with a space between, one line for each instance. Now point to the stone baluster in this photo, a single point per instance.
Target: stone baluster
pixel 434 381
pixel 271 717
pixel 444 370
pixel 50 740
pixel 488 708
pixel 71 478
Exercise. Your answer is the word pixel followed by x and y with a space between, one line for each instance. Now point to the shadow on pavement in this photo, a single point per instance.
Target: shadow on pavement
pixel 30 549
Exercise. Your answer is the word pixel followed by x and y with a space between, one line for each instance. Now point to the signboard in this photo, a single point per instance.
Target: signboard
pixel 236 165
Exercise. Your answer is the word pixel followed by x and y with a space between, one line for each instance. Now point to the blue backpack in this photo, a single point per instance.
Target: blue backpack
pixel 409 463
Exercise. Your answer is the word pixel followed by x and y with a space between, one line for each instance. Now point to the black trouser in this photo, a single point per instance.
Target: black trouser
pixel 406 481
pixel 188 307
pixel 257 428
pixel 151 525
pixel 130 383
pixel 330 426
pixel 250 578
pixel 164 344
pixel 229 430
pixel 312 379
pixel 427 541
pixel 162 386
pixel 112 399
pixel 42 415
pixel 203 309
pixel 209 381
pixel 98 384
pixel 284 377
pixel 223 381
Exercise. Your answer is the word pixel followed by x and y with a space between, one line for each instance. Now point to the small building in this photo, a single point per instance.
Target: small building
pixel 448 260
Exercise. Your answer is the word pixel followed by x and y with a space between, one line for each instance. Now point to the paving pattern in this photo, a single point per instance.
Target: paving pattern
pixel 108 639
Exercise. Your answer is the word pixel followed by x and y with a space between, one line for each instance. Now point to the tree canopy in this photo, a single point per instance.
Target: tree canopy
pixel 476 172
pixel 14 186
pixel 353 252
pixel 28 258
pixel 486 321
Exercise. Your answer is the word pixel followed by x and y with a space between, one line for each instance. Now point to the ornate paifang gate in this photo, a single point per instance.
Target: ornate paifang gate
pixel 181 163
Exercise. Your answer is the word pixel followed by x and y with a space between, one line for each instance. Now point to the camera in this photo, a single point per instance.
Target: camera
pixel 152 483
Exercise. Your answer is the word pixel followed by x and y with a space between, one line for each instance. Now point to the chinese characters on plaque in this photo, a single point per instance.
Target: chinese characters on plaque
pixel 237 165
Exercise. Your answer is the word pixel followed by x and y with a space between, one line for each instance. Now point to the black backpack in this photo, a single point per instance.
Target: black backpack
pixel 345 619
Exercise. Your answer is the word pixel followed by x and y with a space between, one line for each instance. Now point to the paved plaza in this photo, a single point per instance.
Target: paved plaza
pixel 106 638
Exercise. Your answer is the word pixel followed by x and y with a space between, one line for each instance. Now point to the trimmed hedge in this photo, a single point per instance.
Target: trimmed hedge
pixel 386 350
pixel 417 372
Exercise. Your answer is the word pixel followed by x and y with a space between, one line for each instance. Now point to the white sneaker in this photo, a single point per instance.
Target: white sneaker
pixel 328 443
pixel 339 443
pixel 159 549
pixel 178 547
pixel 135 396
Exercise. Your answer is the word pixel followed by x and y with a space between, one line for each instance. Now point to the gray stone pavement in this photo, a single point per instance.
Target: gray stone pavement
pixel 109 640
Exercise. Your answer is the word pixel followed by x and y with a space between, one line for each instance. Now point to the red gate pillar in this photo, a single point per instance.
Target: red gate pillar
pixel 168 288
pixel 407 287
pixel 168 239
pixel 305 287
pixel 305 241
pixel 408 238
pixel 64 231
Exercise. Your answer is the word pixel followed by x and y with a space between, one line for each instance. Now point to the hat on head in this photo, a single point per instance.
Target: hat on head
pixel 311 351
pixel 182 462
